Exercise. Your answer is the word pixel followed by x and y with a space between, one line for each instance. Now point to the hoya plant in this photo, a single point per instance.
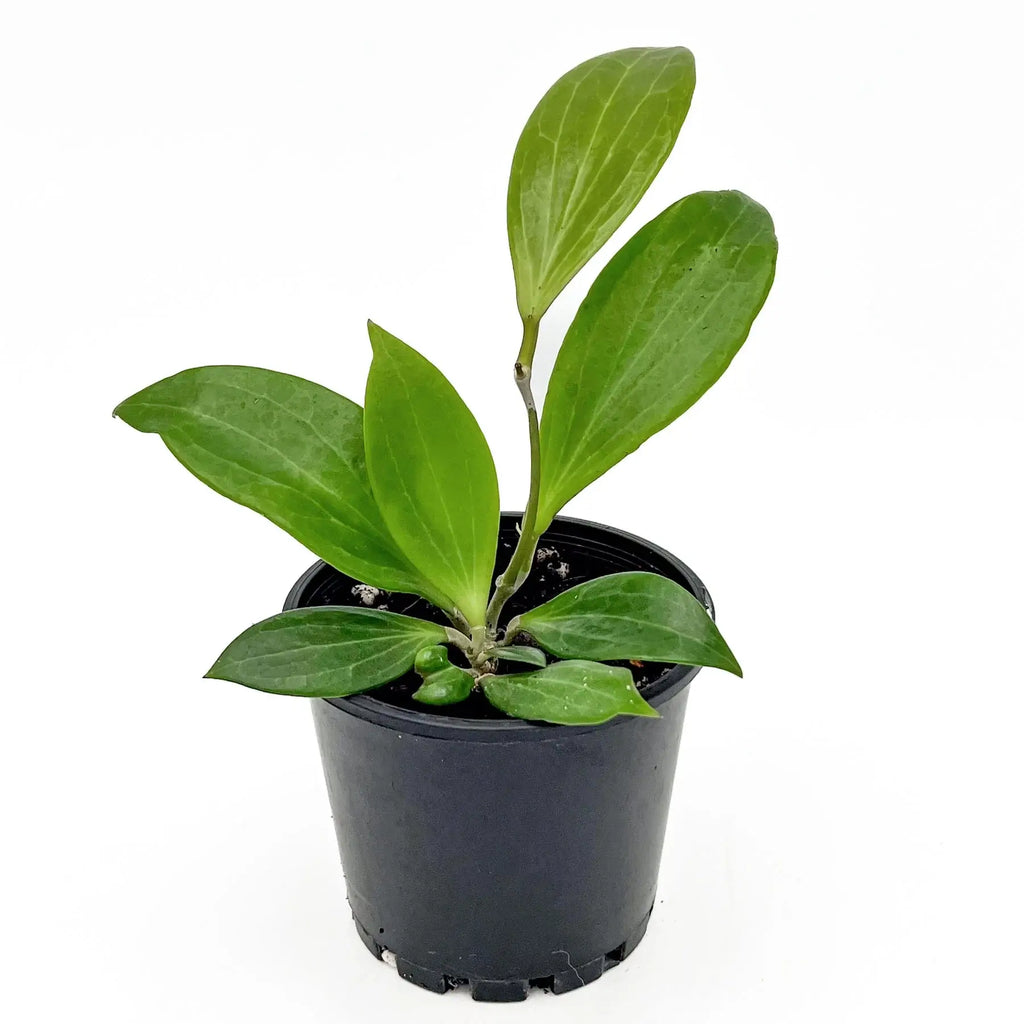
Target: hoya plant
pixel 403 495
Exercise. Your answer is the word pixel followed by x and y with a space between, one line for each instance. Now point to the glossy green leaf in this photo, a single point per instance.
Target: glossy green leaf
pixel 431 659
pixel 660 325
pixel 637 615
pixel 519 653
pixel 325 652
pixel 290 449
pixel 448 686
pixel 432 473
pixel 586 156
pixel 568 693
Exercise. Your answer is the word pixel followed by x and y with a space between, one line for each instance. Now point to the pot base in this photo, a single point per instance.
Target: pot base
pixel 509 990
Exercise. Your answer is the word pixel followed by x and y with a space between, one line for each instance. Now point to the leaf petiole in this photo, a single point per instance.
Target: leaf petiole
pixel 519 564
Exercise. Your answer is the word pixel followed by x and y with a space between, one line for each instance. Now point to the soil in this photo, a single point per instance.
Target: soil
pixel 558 565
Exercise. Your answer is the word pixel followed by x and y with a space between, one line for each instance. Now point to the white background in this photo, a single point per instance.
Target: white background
pixel 206 182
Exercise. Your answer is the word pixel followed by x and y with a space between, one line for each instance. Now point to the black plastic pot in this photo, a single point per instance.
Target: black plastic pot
pixel 493 852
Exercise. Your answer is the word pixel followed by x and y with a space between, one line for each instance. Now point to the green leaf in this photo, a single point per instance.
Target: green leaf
pixel 637 615
pixel 449 686
pixel 660 325
pixel 431 659
pixel 586 156
pixel 527 655
pixel 325 652
pixel 287 448
pixel 432 473
pixel 568 693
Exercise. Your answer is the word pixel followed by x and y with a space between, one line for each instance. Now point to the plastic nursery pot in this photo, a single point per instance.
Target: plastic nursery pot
pixel 489 851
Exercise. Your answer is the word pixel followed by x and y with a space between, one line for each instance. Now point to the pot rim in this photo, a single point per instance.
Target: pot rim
pixel 438 725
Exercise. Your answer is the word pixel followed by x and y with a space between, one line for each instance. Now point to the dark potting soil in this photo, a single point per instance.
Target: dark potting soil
pixel 561 562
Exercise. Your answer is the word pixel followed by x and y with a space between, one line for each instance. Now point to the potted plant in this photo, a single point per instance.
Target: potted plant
pixel 499 751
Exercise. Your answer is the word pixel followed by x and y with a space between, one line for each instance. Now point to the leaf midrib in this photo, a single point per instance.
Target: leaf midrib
pixel 598 218
pixel 383 648
pixel 444 558
pixel 549 236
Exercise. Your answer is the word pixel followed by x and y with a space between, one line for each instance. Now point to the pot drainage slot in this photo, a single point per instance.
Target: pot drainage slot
pixel 616 956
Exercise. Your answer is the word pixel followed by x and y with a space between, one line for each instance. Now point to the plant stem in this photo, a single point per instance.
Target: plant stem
pixel 456 617
pixel 459 638
pixel 521 562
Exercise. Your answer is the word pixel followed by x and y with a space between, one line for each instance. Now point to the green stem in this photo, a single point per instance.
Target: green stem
pixel 456 617
pixel 521 562
pixel 459 638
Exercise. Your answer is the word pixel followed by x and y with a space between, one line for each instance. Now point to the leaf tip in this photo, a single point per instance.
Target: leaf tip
pixel 122 411
pixel 682 56
pixel 374 332
pixel 729 662
pixel 379 338
pixel 647 711
pixel 216 671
